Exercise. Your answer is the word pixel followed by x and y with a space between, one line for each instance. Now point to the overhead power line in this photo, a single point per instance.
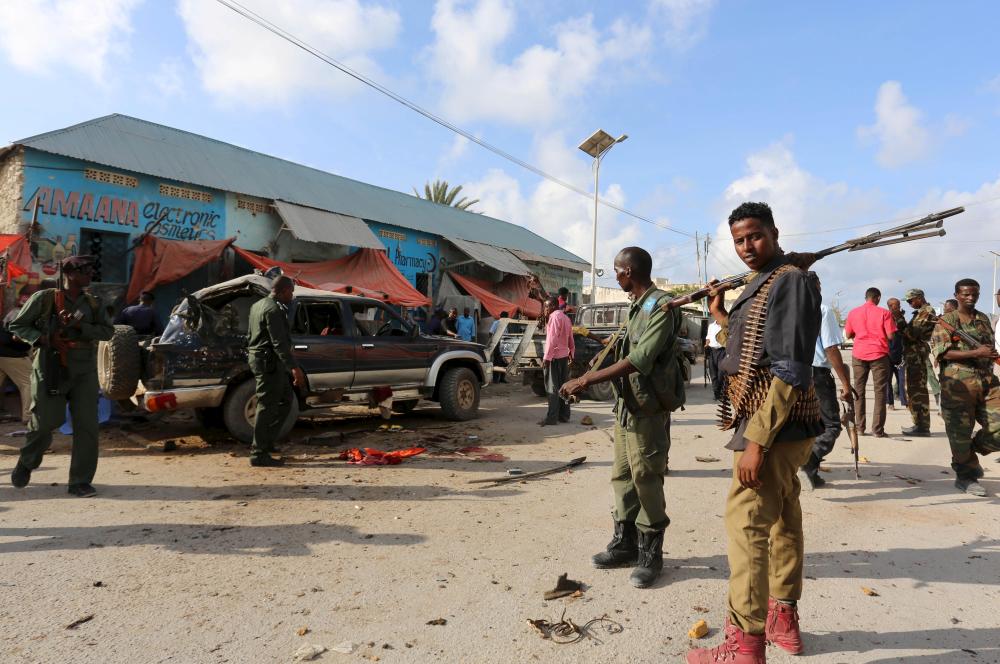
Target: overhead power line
pixel 413 106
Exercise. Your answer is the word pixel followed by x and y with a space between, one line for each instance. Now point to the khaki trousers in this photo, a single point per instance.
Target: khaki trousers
pixel 18 369
pixel 765 536
pixel 881 371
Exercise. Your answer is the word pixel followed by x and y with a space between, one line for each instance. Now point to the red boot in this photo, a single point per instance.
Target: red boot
pixel 738 648
pixel 782 628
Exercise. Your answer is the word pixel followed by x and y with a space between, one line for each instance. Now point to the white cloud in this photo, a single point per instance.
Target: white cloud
pixel 686 20
pixel 536 85
pixel 898 127
pixel 169 79
pixel 39 35
pixel 554 212
pixel 807 208
pixel 240 62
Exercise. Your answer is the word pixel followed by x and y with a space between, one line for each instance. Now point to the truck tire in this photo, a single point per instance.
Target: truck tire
pixel 538 386
pixel 404 407
pixel 459 394
pixel 601 392
pixel 119 364
pixel 239 411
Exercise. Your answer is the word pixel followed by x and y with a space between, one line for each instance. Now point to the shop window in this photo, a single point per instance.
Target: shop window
pixel 110 251
pixel 424 283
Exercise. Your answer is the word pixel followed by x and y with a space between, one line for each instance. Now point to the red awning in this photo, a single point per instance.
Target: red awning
pixel 481 291
pixel 18 255
pixel 514 287
pixel 366 270
pixel 159 262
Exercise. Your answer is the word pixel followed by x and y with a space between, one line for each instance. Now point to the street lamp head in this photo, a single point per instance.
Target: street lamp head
pixel 622 138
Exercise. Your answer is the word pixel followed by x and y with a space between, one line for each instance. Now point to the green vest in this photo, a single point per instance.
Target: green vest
pixel 662 391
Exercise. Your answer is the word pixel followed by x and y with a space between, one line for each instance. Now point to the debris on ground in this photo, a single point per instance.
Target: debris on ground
pixel 302 631
pixel 79 621
pixel 706 459
pixel 394 428
pixel 308 652
pixel 497 458
pixel 437 621
pixel 564 587
pixel 345 648
pixel 372 457
pixel 511 472
pixel 907 479
pixel 170 445
pixel 566 631
pixel 868 591
pixel 587 420
pixel 540 473
pixel 698 630
pixel 864 459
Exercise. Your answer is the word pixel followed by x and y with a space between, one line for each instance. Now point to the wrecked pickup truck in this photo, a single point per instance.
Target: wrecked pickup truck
pixel 350 348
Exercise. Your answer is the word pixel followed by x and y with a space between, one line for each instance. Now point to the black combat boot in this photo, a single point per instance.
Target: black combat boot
pixel 622 551
pixel 917 432
pixel 20 476
pixel 966 476
pixel 809 476
pixel 650 559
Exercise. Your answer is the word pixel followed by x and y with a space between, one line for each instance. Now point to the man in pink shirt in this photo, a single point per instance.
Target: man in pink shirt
pixel 872 328
pixel 559 351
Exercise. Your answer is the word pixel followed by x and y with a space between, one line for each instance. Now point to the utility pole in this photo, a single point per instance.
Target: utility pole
pixel 707 241
pixel 697 255
pixel 993 311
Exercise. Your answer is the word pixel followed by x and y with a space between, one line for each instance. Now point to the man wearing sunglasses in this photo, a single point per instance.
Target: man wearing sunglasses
pixel 63 325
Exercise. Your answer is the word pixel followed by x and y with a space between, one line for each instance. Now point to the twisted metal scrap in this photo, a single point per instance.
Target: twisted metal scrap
pixel 747 390
pixel 566 631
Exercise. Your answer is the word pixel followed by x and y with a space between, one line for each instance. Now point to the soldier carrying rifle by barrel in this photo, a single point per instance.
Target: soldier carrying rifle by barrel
pixel 63 325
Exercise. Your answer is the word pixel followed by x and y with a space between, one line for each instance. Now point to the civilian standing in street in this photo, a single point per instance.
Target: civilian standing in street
pixel 771 407
pixel 465 326
pixel 716 353
pixel 648 381
pixel 449 324
pixel 559 351
pixel 274 368
pixel 826 361
pixel 141 317
pixel 898 373
pixel 872 329
pixel 67 322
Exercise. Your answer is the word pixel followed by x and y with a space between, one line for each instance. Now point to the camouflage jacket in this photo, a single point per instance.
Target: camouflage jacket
pixel 942 341
pixel 917 333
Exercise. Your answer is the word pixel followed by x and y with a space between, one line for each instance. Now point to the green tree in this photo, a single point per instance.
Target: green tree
pixel 439 192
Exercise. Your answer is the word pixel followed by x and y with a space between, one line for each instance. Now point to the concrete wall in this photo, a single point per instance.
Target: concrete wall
pixel 11 183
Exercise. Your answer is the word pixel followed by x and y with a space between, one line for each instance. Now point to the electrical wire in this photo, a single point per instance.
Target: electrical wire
pixel 413 106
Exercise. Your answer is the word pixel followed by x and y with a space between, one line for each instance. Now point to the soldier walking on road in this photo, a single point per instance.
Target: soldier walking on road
pixel 772 407
pixel 64 325
pixel 272 363
pixel 648 381
pixel 970 391
pixel 916 335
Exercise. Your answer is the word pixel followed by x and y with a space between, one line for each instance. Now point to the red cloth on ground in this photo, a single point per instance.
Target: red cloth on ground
pixel 373 457
pixel 159 262
pixel 367 269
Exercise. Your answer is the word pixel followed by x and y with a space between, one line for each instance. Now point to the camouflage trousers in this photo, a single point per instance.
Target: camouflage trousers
pixel 919 401
pixel 968 398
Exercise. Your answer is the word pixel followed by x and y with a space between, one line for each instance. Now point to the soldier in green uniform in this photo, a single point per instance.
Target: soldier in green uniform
pixel 970 391
pixel 270 357
pixel 64 326
pixel 916 334
pixel 649 383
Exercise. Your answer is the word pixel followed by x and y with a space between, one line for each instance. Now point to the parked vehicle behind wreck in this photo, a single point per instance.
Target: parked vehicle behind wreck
pixel 350 348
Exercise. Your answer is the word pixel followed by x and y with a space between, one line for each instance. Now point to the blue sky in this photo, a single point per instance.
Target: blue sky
pixel 838 114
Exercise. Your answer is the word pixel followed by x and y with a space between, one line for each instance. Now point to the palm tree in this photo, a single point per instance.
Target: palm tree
pixel 438 192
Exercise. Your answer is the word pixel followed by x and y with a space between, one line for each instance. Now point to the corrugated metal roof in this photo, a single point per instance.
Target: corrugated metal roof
pixel 144 147
pixel 495 257
pixel 531 256
pixel 314 225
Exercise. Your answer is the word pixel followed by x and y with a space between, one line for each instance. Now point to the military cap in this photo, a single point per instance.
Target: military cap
pixel 912 293
pixel 77 263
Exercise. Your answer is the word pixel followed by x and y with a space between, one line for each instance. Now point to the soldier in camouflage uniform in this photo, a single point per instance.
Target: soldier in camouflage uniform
pixel 916 334
pixel 970 392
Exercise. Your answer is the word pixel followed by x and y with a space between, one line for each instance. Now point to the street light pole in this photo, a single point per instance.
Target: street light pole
pixel 993 311
pixel 597 145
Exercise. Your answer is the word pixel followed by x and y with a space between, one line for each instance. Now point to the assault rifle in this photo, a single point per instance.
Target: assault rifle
pixel 52 366
pixel 915 230
pixel 964 337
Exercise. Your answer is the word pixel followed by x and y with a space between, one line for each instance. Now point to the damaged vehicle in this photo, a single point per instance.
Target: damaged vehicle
pixel 352 349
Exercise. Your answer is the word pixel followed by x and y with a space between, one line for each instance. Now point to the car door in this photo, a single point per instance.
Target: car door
pixel 322 345
pixel 389 350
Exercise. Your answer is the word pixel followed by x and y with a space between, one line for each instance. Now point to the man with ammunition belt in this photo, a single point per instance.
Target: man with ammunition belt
pixel 64 325
pixel 970 390
pixel 648 381
pixel 771 405
pixel 269 349
pixel 916 335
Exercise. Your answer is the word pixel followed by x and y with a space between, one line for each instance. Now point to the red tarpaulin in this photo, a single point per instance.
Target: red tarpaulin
pixel 364 270
pixel 514 287
pixel 159 262
pixel 480 290
pixel 18 255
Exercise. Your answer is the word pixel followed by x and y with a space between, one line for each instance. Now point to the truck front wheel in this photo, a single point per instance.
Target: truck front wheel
pixel 459 394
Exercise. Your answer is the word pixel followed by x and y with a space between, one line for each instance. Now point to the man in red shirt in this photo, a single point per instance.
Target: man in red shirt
pixel 872 328
pixel 559 351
